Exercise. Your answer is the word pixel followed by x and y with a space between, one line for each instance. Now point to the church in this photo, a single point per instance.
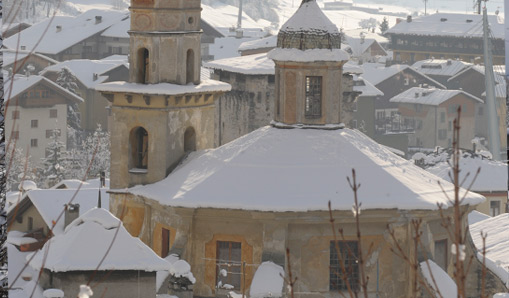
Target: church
pixel 228 209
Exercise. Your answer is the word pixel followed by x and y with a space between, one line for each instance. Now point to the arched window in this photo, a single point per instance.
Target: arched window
pixel 143 66
pixel 189 140
pixel 190 67
pixel 138 140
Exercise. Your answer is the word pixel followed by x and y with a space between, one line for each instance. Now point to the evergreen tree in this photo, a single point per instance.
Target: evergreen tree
pixel 384 26
pixel 67 81
pixel 100 139
pixel 16 162
pixel 52 169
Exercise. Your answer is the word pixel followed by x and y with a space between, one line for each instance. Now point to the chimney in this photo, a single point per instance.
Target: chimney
pixel 95 76
pixel 98 19
pixel 449 62
pixel 398 20
pixel 409 19
pixel 71 213
pixel 59 28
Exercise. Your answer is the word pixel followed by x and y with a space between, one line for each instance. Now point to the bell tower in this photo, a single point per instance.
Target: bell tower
pixel 165 41
pixel 309 69
pixel 164 111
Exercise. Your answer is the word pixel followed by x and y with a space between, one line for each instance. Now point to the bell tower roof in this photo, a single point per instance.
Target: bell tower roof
pixel 309 28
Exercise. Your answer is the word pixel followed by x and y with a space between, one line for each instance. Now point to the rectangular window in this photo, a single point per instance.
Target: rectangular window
pixel 15 114
pixel 34 123
pixel 442 134
pixel 449 127
pixel 442 117
pixel 33 143
pixel 441 253
pixel 229 263
pixel 313 108
pixel 348 254
pixel 165 243
pixel 30 224
pixel 494 208
pixel 53 113
pixel 480 112
pixel 15 135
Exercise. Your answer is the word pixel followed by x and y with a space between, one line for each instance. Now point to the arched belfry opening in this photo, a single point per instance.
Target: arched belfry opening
pixel 190 66
pixel 138 145
pixel 143 66
pixel 189 140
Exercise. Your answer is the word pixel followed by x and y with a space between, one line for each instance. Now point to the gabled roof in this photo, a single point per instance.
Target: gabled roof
pixel 119 30
pixel 10 56
pixel 280 170
pixel 73 30
pixel 376 73
pixel 449 24
pixel 432 97
pixel 267 42
pixel 500 83
pixel 440 67
pixel 365 87
pixel 359 45
pixel 50 203
pixel 86 241
pixel 84 70
pixel 21 83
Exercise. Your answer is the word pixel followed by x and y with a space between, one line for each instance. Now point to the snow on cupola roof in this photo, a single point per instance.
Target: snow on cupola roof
pixel 86 241
pixel 309 28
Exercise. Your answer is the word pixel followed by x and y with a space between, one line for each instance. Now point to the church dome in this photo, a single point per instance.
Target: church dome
pixel 309 28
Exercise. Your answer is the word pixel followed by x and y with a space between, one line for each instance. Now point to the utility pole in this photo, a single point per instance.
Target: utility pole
pixel 489 76
pixel 239 19
pixel 425 6
pixel 478 5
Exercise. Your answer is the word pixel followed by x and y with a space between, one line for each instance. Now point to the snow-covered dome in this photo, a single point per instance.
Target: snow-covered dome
pixel 309 28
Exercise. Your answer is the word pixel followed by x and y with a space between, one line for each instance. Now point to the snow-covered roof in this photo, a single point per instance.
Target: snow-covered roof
pixel 21 288
pixel 309 18
pixel 75 183
pixel 118 30
pixel 311 55
pixel 356 33
pixel 359 45
pixel 10 56
pixel 499 71
pixel 497 243
pixel 205 86
pixel 267 42
pixel 432 97
pixel 449 24
pixel 440 67
pixel 73 30
pixel 493 175
pixel 376 73
pixel 84 70
pixel 50 203
pixel 85 242
pixel 365 87
pixel 225 16
pixel 280 170
pixel 21 83
pixel 257 64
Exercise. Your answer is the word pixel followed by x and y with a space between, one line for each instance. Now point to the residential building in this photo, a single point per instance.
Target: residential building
pixel 445 36
pixel 24 62
pixel 36 108
pixel 430 114
pixel 441 70
pixel 94 109
pixel 63 38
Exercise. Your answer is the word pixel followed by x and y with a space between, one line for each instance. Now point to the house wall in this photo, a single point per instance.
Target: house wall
pixel 36 109
pixel 34 60
pixel 499 196
pixel 265 236
pixel 113 46
pixel 22 225
pixel 113 284
pixel 249 106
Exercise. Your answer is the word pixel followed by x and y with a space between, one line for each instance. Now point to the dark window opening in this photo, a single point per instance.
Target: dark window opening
pixel 441 253
pixel 494 208
pixel 313 106
pixel 34 123
pixel 143 66
pixel 189 140
pixel 165 243
pixel 229 264
pixel 348 250
pixel 139 148
pixel 190 67
pixel 30 224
